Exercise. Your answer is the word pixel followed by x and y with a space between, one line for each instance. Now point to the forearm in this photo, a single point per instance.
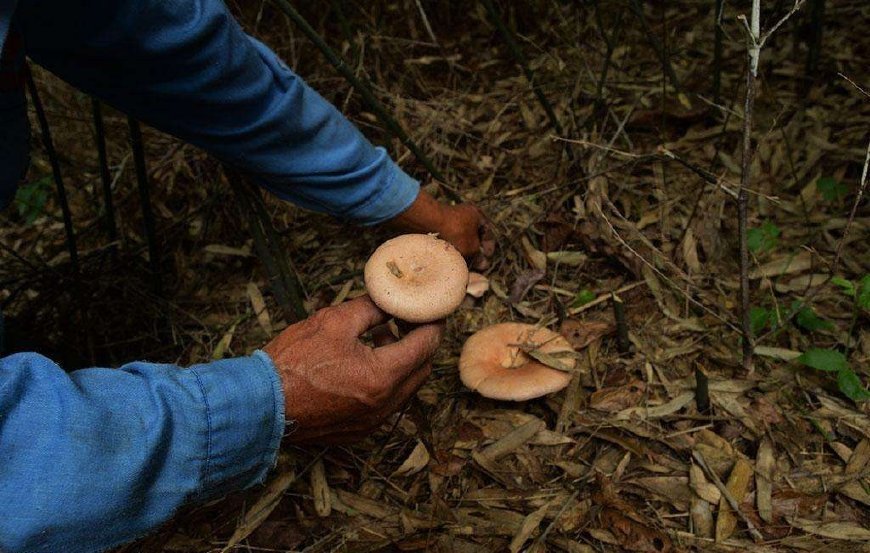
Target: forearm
pixel 121 450
pixel 188 68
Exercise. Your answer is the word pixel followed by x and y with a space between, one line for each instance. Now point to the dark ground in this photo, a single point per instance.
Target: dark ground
pixel 617 466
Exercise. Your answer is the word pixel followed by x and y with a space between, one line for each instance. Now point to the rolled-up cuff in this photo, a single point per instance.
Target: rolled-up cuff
pixel 395 197
pixel 245 409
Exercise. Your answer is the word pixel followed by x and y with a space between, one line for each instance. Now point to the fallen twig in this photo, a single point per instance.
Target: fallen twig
pixel 756 535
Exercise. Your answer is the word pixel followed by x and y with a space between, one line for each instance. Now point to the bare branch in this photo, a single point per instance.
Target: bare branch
pixel 856 85
pixel 797 6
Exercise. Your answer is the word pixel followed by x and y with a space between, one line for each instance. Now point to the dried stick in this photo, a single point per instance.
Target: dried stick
pixel 853 83
pixel 48 143
pixel 520 58
pixel 145 202
pixel 105 176
pixel 349 37
pixel 611 42
pixel 426 23
pixel 365 91
pixel 663 276
pixel 756 535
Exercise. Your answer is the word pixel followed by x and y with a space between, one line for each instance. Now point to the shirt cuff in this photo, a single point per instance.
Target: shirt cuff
pixel 245 415
pixel 393 199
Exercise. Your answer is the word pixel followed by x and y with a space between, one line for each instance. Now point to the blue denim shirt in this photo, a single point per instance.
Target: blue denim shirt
pixel 187 68
pixel 96 457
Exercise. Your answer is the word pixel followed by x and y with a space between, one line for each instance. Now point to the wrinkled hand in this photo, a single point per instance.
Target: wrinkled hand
pixel 461 224
pixel 339 389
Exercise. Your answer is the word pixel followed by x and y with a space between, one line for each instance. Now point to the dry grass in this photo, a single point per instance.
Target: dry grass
pixel 615 462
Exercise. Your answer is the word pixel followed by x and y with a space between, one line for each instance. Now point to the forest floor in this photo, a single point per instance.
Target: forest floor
pixel 627 458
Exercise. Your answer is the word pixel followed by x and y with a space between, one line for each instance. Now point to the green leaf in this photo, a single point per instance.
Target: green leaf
pixel 763 238
pixel 31 198
pixel 847 285
pixel 583 297
pixel 831 189
pixel 863 296
pixel 851 386
pixel 824 360
pixel 807 318
pixel 759 318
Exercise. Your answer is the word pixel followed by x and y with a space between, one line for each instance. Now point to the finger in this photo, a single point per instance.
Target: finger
pixel 360 314
pixel 403 358
pixel 409 387
pixel 383 336
pixel 487 237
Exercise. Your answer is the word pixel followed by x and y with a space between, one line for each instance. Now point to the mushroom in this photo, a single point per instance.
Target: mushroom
pixel 477 285
pixel 494 364
pixel 417 278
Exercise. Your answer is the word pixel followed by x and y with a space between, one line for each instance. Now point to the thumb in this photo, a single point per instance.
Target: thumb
pixel 382 335
pixel 404 357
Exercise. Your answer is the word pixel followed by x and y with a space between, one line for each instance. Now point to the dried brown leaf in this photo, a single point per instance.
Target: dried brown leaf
pixel 738 486
pixel 765 463
pixel 582 333
pixel 259 307
pixel 320 489
pixel 262 508
pixel 618 398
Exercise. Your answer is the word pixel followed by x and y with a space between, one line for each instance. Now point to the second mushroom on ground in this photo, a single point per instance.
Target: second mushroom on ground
pixel 498 362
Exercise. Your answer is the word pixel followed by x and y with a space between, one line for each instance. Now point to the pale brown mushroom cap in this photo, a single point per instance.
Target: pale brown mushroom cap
pixel 417 278
pixel 477 285
pixel 496 369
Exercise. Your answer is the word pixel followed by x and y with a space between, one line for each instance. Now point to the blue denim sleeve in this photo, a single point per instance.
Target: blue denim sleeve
pixel 97 457
pixel 187 68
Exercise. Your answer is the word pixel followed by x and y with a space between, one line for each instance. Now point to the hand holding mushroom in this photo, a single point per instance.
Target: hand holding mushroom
pixel 338 389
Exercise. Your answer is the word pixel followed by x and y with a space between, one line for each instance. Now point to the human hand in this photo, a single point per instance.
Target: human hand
pixel 461 224
pixel 339 389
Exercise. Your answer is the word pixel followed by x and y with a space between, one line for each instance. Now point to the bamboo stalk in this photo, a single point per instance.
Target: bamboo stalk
pixel 345 28
pixel 285 267
pixel 105 177
pixel 753 52
pixel 48 143
pixel 610 42
pixel 637 9
pixel 520 58
pixel 365 91
pixel 145 203
pixel 814 48
pixel 718 40
pixel 282 277
pixel 623 344
pixel 702 391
